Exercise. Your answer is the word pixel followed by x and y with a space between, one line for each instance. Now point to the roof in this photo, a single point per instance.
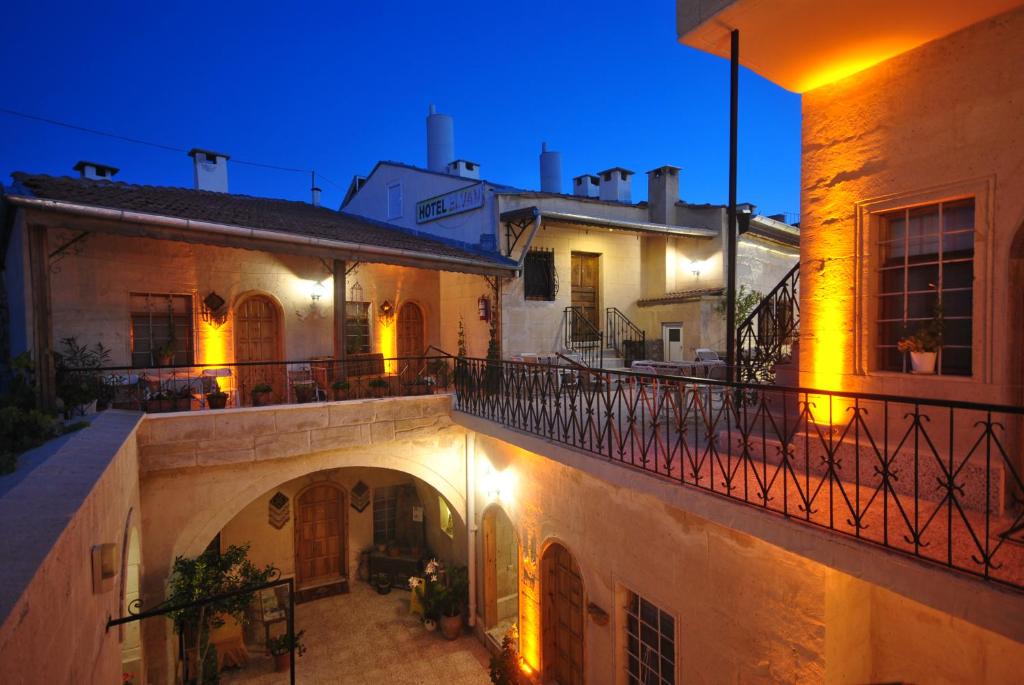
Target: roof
pixel 681 296
pixel 285 217
pixel 606 222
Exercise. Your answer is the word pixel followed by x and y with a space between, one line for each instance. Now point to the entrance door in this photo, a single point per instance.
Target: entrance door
pixel 501 574
pixel 563 617
pixel 319 535
pixel 672 341
pixel 586 291
pixel 410 339
pixel 257 339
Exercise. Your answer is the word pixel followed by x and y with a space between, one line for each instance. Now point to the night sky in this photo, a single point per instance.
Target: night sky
pixel 338 86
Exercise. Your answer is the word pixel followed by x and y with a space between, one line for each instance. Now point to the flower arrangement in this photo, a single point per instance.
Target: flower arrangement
pixel 927 338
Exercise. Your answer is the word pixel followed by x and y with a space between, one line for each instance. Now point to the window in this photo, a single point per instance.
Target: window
pixel 650 643
pixel 385 514
pixel 926 264
pixel 394 200
pixel 161 326
pixel 540 282
pixel 357 327
pixel 446 519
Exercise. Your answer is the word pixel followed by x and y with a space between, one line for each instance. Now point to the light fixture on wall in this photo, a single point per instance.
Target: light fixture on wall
pixel 356 293
pixel 386 313
pixel 316 291
pixel 215 310
pixel 695 268
pixel 483 306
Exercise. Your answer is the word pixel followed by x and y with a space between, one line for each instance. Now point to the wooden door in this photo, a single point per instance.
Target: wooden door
pixel 586 290
pixel 410 339
pixel 490 571
pixel 319 535
pixel 562 617
pixel 258 339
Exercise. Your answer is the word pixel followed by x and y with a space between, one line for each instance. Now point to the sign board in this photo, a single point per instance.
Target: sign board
pixel 455 202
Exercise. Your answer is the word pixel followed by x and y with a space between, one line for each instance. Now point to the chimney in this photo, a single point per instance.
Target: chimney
pixel 662 193
pixel 440 141
pixel 210 170
pixel 464 169
pixel 550 170
pixel 616 185
pixel 585 186
pixel 316 196
pixel 95 170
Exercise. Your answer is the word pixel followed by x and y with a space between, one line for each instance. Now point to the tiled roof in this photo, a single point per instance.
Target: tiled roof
pixel 284 216
pixel 680 296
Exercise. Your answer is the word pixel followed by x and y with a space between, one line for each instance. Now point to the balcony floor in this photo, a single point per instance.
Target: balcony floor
pixel 363 637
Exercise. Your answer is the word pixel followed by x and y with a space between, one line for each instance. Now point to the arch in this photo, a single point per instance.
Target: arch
pixel 129 635
pixel 500 554
pixel 258 327
pixel 1014 355
pixel 562 615
pixel 321 534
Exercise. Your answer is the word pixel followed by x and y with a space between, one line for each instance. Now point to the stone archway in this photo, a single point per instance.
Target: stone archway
pixel 562 616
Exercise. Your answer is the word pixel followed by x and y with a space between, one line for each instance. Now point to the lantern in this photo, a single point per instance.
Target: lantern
pixel 483 306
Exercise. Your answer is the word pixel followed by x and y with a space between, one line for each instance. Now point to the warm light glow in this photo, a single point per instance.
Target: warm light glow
pixel 214 346
pixel 498 486
pixel 831 326
pixel 529 631
pixel 388 343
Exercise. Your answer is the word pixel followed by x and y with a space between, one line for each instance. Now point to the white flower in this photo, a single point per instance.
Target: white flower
pixel 415 582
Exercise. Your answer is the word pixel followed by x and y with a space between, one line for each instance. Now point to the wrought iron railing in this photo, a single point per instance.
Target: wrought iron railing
pixel 583 338
pixel 937 480
pixel 625 337
pixel 765 338
pixel 242 384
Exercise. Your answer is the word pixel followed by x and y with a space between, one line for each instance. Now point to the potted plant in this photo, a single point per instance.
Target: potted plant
pixel 218 399
pixel 427 591
pixel 378 387
pixel 280 648
pixel 165 353
pixel 505 664
pixel 80 383
pixel 452 602
pixel 924 344
pixel 340 388
pixel 382 581
pixel 420 386
pixel 262 395
pixel 305 392
pixel 167 400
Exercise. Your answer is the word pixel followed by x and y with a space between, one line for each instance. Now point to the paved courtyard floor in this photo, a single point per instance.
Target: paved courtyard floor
pixel 371 639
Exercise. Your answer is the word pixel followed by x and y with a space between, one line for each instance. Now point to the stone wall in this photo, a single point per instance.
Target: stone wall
pixel 940 122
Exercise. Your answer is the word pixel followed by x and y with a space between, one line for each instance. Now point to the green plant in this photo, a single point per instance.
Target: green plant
pixel 378 383
pixel 79 380
pixel 208 575
pixel 505 664
pixel 927 337
pixel 282 644
pixel 340 384
pixel 452 599
pixel 21 430
pixel 166 351
pixel 262 388
pixel 747 300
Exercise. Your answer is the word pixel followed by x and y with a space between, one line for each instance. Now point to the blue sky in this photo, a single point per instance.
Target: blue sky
pixel 338 86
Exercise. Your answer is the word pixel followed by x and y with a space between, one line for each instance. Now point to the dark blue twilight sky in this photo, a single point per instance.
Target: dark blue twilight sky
pixel 338 86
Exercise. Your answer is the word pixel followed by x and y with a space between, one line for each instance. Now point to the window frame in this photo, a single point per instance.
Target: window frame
pixel 910 262
pixel 386 496
pixel 865 301
pixel 350 321
pixel 626 633
pixel 552 274
pixel 396 185
pixel 189 318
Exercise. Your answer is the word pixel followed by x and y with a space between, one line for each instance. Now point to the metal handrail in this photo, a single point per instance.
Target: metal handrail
pixel 935 479
pixel 622 330
pixel 765 337
pixel 582 337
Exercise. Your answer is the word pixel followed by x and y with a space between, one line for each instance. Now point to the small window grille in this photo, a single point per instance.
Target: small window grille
pixel 385 514
pixel 650 643
pixel 539 275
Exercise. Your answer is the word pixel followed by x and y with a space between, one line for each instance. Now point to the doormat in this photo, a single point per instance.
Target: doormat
pixel 320 591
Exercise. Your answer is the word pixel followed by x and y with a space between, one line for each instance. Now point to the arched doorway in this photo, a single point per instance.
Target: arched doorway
pixel 410 339
pixel 320 536
pixel 501 574
pixel 130 636
pixel 258 339
pixel 562 616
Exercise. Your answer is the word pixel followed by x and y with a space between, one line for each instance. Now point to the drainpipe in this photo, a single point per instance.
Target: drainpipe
pixel 471 522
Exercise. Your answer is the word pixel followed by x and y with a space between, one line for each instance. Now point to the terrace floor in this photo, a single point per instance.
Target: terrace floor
pixel 366 638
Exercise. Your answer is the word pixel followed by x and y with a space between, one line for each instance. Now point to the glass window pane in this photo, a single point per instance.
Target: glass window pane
pixel 958 214
pixel 957 245
pixel 890 359
pixel 894 226
pixel 956 361
pixel 956 303
pixel 890 307
pixel 892 281
pixel 958 275
pixel 668 625
pixel 648 612
pixel 957 332
pixel 922 306
pixel 922 221
pixel 922 277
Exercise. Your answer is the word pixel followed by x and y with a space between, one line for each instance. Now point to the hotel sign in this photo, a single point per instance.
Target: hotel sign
pixel 455 202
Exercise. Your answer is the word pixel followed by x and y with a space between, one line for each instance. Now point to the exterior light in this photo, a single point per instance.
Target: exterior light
pixel 214 311
pixel 695 268
pixel 386 314
pixel 317 291
pixel 483 306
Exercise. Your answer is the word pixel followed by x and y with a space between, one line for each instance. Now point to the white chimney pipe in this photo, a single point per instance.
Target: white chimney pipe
pixel 616 185
pixel 95 170
pixel 316 196
pixel 440 141
pixel 586 185
pixel 550 170
pixel 210 170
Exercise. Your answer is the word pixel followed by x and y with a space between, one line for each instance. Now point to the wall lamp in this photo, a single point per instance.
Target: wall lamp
pixel 483 306
pixel 386 313
pixel 215 310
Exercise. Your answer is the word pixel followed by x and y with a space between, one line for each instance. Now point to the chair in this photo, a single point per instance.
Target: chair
pixel 302 386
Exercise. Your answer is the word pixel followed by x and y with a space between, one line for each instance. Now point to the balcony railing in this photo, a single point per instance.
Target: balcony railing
pixel 243 384
pixel 937 480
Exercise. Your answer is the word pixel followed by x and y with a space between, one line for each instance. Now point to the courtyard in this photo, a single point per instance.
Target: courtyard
pixel 363 637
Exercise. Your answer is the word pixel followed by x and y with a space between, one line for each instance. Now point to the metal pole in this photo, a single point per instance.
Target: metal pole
pixel 730 319
pixel 291 621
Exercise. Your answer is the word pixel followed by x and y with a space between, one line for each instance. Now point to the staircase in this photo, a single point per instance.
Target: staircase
pixel 766 337
pixel 615 348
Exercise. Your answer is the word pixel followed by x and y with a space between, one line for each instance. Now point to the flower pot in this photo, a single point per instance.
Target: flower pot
pixel 282 662
pixel 451 626
pixel 430 624
pixel 217 400
pixel 340 394
pixel 262 399
pixel 922 362
pixel 166 360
